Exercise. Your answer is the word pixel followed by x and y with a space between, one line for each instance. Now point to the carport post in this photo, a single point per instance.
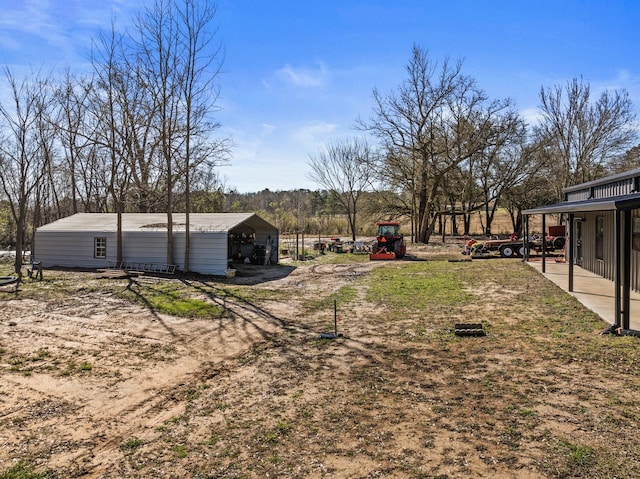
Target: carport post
pixel 525 238
pixel 626 272
pixel 571 233
pixel 618 255
pixel 544 243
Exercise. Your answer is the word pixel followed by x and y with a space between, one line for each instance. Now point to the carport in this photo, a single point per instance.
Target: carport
pixel 604 237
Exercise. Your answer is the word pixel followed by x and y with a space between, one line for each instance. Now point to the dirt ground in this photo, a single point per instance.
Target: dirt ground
pixel 95 386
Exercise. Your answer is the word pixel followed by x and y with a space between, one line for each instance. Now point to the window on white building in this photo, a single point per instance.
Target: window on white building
pixel 100 247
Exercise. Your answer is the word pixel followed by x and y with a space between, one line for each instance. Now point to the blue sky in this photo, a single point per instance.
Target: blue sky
pixel 297 74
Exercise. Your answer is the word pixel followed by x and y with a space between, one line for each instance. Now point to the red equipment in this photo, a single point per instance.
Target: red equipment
pixel 389 242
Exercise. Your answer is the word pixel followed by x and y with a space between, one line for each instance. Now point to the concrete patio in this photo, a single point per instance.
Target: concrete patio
pixel 593 291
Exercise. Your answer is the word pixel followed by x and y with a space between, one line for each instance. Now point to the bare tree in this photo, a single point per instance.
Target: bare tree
pixel 159 50
pixel 22 160
pixel 535 185
pixel 437 120
pixel 345 169
pixel 408 122
pixel 502 163
pixel 72 97
pixel 174 42
pixel 585 135
pixel 202 63
pixel 628 161
pixel 116 95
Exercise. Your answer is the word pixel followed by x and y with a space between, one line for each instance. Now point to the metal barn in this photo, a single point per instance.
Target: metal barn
pixel 603 219
pixel 89 240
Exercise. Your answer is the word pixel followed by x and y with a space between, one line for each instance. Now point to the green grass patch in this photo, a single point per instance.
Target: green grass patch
pixel 131 445
pixel 250 294
pixel 342 297
pixel 576 458
pixel 180 452
pixel 24 471
pixel 76 368
pixel 417 285
pixel 175 300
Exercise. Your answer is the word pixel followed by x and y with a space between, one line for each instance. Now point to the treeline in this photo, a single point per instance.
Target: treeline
pixel 139 134
pixel 444 149
pixel 304 210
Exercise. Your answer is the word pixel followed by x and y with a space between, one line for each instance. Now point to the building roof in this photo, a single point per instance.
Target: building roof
pixel 625 202
pixel 107 222
pixel 614 192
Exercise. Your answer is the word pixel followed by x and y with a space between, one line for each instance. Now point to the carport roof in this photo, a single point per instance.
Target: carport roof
pixel 626 202
pixel 107 222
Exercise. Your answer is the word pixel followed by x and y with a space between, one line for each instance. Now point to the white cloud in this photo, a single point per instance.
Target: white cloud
pixel 532 116
pixel 30 17
pixel 304 77
pixel 624 80
pixel 54 31
pixel 266 129
pixel 314 134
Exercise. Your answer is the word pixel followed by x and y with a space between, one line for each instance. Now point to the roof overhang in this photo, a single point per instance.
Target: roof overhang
pixel 254 223
pixel 627 202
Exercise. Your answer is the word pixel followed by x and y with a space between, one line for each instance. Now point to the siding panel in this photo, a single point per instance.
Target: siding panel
pixel 606 266
pixel 144 246
pixel 72 249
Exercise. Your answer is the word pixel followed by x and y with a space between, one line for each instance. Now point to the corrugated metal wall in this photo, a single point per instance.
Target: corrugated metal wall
pixel 207 253
pixel 635 261
pixel 580 195
pixel 609 190
pixel 145 247
pixel 74 250
pixel 607 266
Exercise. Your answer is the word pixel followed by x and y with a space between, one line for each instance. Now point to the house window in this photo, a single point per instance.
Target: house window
pixel 600 237
pixel 100 247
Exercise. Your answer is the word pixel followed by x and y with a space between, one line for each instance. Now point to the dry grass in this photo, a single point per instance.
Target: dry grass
pixel 399 395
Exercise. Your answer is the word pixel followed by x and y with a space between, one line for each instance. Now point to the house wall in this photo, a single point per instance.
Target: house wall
pixel 621 187
pixel 144 247
pixel 635 261
pixel 607 266
pixel 73 249
pixel 207 252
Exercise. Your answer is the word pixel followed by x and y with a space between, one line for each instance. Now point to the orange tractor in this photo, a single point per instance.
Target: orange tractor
pixel 389 242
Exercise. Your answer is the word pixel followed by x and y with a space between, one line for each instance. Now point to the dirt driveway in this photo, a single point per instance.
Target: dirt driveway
pixel 95 386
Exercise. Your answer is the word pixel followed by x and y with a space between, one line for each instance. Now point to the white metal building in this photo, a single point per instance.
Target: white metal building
pixel 89 240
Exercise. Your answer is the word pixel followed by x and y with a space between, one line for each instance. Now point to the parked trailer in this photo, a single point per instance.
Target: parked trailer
pixel 510 248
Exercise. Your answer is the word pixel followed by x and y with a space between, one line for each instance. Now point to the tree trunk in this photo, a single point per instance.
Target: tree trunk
pixel 352 225
pixel 119 235
pixel 20 235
